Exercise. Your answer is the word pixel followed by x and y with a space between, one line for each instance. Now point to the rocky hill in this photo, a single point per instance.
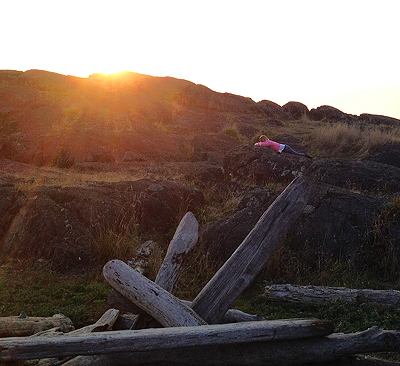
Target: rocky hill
pixel 173 142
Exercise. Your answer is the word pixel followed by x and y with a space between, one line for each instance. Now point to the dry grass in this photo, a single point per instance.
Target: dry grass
pixel 219 203
pixel 343 140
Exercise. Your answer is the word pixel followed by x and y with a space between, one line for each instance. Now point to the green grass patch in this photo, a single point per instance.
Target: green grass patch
pixel 39 291
pixel 346 317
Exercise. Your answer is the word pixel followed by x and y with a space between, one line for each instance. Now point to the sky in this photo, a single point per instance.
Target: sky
pixel 342 53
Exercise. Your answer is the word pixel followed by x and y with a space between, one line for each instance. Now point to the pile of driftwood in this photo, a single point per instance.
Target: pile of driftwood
pixel 170 331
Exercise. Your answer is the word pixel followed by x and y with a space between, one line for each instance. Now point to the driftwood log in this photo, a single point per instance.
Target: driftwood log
pixel 185 237
pixel 168 310
pixel 140 261
pixel 157 339
pixel 174 346
pixel 105 323
pixel 18 326
pixel 319 295
pixel 277 353
pixel 253 253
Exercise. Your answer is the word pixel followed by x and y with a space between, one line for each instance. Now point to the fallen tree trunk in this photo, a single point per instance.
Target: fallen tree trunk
pixel 258 353
pixel 154 300
pixel 273 353
pixel 157 339
pixel 18 326
pixel 139 263
pixel 252 254
pixel 319 295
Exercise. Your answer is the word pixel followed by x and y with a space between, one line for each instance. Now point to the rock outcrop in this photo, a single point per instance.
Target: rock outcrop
pixel 66 225
pixel 262 165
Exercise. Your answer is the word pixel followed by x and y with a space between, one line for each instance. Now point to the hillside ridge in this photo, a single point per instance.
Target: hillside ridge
pixel 53 119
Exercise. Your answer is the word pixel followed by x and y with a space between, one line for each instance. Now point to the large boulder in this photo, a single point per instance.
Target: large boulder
pixel 334 226
pixel 219 239
pixel 363 176
pixel 385 154
pixel 329 113
pixel 257 164
pixel 377 119
pixel 296 110
pixel 67 225
pixel 272 110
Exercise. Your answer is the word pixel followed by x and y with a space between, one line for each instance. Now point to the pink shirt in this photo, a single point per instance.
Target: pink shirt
pixel 271 144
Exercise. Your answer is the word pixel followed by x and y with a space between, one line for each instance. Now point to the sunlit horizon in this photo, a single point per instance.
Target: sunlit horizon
pixel 342 54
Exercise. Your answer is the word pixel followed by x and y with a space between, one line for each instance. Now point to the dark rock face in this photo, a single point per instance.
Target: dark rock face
pixel 220 239
pixel 335 225
pixel 273 110
pixel 378 119
pixel 387 154
pixel 262 165
pixel 204 173
pixel 365 176
pixel 296 110
pixel 349 201
pixel 62 224
pixel 330 113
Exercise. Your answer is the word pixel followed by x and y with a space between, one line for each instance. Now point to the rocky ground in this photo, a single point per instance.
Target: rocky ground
pixel 166 142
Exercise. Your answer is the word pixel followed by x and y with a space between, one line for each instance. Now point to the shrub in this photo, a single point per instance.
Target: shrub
pixel 64 159
pixel 232 131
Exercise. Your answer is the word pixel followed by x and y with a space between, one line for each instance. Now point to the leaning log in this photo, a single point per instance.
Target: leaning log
pixel 185 237
pixel 168 310
pixel 158 339
pixel 18 326
pixel 320 295
pixel 253 253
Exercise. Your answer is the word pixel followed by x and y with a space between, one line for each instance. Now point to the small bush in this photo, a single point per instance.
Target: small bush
pixel 232 131
pixel 64 159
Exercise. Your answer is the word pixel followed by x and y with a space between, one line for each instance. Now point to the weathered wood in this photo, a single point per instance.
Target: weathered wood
pixel 125 321
pixel 154 300
pixel 139 263
pixel 185 237
pixel 120 302
pixel 105 323
pixel 236 316
pixel 266 353
pixel 157 339
pixel 253 253
pixel 319 295
pixel 17 326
